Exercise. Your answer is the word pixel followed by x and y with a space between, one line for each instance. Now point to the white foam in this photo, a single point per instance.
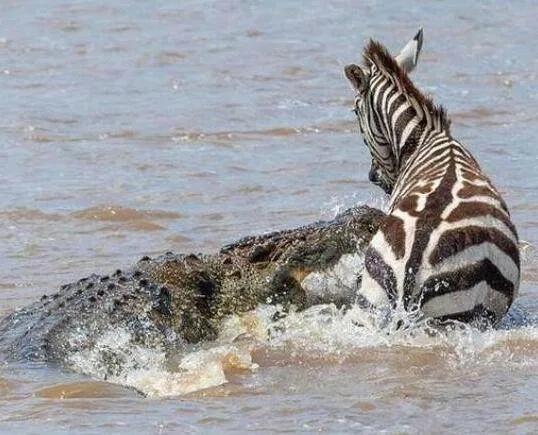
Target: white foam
pixel 151 372
pixel 196 371
pixel 322 331
pixel 339 279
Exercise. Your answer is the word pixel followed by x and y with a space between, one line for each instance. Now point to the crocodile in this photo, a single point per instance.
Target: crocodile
pixel 176 300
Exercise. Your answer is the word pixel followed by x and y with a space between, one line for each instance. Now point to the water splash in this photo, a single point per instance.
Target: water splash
pixel 152 372
pixel 322 334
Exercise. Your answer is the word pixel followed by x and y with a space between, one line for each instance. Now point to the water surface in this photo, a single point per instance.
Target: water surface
pixel 132 128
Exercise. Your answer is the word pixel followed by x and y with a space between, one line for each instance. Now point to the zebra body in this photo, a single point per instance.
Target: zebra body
pixel 447 246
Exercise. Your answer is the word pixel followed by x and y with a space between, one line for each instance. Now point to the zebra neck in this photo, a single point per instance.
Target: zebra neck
pixel 420 142
pixel 431 144
pixel 414 128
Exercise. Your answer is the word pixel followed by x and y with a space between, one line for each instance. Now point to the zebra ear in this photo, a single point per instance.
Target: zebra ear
pixel 408 57
pixel 356 77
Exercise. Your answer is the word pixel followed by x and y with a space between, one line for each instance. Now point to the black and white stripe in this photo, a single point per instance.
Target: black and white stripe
pixel 448 245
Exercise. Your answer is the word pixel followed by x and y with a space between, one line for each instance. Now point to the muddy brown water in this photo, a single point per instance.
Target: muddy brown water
pixel 132 128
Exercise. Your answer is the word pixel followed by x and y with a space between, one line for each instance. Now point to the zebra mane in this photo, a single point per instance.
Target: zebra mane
pixel 376 53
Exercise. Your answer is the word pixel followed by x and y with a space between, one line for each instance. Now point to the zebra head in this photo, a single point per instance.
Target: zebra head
pixel 377 97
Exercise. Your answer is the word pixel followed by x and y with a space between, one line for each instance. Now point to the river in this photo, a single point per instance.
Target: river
pixel 131 128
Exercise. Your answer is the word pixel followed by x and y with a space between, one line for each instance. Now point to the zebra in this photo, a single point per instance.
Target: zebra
pixel 447 248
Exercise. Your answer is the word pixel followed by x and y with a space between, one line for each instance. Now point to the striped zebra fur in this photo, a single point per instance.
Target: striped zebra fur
pixel 447 247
